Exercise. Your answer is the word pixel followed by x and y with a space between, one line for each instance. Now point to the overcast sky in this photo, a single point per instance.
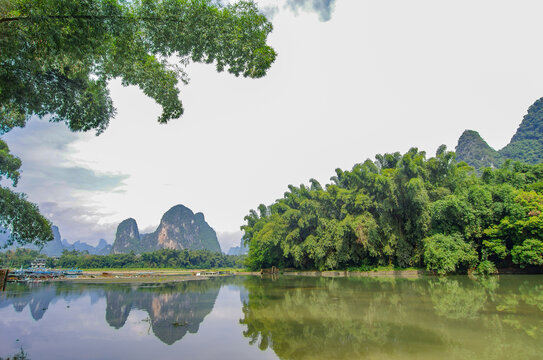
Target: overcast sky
pixel 352 78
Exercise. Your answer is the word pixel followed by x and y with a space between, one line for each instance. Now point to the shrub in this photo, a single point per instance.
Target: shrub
pixel 448 253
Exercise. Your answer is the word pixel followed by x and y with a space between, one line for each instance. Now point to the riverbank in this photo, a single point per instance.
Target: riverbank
pixel 378 273
pixel 166 275
pixel 139 276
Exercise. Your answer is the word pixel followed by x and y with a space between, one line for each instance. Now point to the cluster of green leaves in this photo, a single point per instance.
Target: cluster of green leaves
pixel 19 257
pixel 58 56
pixel 406 211
pixel 20 216
pixel 165 258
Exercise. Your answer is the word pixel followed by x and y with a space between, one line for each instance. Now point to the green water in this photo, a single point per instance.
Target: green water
pixel 285 318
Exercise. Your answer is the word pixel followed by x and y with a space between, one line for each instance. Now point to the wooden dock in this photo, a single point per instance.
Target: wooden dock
pixel 3 278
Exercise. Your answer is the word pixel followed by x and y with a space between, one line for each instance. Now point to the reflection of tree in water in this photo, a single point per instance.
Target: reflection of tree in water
pixel 305 318
pixel 308 318
pixel 455 300
pixel 174 309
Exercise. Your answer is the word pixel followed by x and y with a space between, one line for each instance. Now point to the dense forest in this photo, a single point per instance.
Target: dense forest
pixel 405 211
pixel 165 258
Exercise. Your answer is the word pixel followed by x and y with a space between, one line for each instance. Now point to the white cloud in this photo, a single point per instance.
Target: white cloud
pixel 379 76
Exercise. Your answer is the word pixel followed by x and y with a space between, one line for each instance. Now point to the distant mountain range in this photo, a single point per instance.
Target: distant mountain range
pixel 56 246
pixel 238 250
pixel 179 229
pixel 526 145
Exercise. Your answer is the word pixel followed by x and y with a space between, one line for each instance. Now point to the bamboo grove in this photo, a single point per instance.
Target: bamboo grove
pixel 405 211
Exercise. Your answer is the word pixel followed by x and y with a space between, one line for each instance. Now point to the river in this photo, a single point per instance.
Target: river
pixel 285 317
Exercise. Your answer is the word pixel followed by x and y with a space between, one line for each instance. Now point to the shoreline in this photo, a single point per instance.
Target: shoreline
pixel 172 275
pixel 137 276
pixel 131 276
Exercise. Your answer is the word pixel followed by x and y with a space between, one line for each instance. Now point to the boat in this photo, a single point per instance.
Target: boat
pixel 33 274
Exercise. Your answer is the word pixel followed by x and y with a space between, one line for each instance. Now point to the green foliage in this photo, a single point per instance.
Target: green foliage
pixel 486 267
pixel 17 215
pixel 19 257
pixel 58 56
pixel 530 252
pixel 528 151
pixel 495 247
pixel 403 211
pixel 448 253
pixel 165 258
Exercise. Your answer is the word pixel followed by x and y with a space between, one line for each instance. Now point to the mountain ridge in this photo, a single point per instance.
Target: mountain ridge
pixel 56 246
pixel 526 144
pixel 179 229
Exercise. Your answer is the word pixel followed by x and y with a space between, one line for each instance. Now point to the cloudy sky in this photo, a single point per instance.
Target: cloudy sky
pixel 353 78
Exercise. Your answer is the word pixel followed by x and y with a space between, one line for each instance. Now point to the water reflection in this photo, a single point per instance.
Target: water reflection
pixel 36 297
pixel 173 309
pixel 315 318
pixel 287 317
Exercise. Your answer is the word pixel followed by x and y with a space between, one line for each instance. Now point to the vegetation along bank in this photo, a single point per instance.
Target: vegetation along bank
pixel 165 258
pixel 405 210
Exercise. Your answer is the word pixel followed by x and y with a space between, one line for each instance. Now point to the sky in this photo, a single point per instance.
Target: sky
pixel 353 78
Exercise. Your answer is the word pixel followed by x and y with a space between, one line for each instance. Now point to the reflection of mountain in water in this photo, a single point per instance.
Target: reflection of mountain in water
pixel 38 297
pixel 173 309
pixel 38 300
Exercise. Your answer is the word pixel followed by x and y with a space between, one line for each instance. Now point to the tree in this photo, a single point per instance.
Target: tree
pixel 448 253
pixel 21 217
pixel 405 210
pixel 58 55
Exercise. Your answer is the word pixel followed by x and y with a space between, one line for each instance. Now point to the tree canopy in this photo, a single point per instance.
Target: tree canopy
pixel 164 258
pixel 57 57
pixel 405 211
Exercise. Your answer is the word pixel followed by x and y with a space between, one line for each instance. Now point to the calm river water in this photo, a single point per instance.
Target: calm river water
pixel 284 318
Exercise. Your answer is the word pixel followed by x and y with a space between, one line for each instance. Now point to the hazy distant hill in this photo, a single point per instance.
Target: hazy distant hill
pixel 179 228
pixel 52 248
pixel 526 145
pixel 103 248
pixel 239 250
pixel 56 246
